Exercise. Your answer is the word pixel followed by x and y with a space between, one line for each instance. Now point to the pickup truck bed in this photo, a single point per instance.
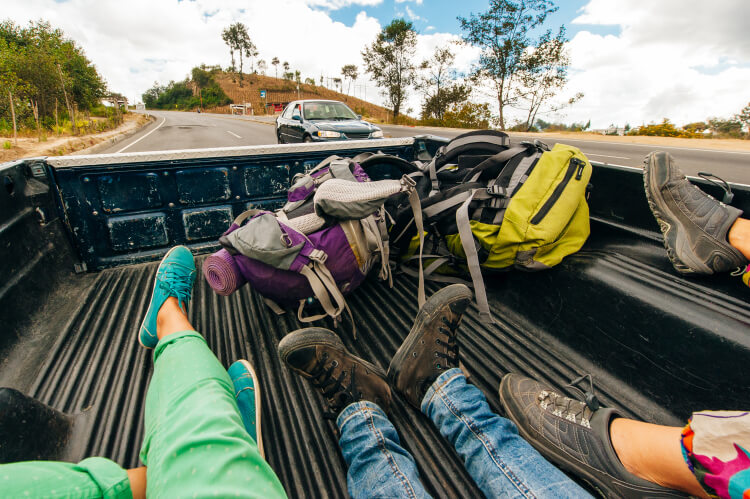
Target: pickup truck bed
pixel 658 345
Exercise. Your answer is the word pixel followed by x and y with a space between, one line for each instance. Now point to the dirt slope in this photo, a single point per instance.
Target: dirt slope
pixel 280 91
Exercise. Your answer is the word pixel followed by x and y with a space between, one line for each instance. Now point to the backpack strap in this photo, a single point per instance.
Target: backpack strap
pixel 245 215
pixel 487 139
pixel 324 288
pixel 472 257
pixel 504 157
pixel 340 169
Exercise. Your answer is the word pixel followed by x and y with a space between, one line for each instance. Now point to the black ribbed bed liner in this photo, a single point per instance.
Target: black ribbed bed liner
pixel 97 366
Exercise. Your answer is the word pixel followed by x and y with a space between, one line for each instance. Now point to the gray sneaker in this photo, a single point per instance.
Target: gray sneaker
pixel 694 224
pixel 574 436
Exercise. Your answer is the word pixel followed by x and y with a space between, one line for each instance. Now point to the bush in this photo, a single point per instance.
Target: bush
pixel 664 129
pixel 180 95
pixel 7 144
pixel 466 115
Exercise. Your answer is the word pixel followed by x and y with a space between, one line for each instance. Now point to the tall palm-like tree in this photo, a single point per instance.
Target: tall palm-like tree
pixel 275 62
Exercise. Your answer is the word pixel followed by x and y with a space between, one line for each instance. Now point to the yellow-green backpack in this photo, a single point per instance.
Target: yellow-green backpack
pixel 523 208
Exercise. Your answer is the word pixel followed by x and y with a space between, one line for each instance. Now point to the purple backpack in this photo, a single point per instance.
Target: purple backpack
pixel 320 246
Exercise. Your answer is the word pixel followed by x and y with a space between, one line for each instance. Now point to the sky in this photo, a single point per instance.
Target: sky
pixel 635 62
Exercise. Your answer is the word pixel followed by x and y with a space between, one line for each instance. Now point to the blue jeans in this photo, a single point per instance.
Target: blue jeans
pixel 501 462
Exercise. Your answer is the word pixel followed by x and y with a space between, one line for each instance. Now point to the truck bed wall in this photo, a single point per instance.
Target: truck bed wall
pixel 659 345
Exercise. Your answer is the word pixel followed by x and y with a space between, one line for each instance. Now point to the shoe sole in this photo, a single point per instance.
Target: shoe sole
pixel 426 313
pixel 152 297
pixel 256 388
pixel 313 336
pixel 562 460
pixel 673 236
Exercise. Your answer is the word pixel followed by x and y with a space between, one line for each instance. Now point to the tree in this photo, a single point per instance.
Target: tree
pixel 40 68
pixel 275 62
pixel 543 72
pixel 310 81
pixel 502 33
pixel 438 85
pixel 244 46
pixel 744 118
pixel 286 66
pixel 349 71
pixel 230 37
pixel 262 67
pixel 389 60
pixel 337 83
pixel 731 127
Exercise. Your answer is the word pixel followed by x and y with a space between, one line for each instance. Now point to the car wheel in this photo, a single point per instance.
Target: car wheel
pixel 308 138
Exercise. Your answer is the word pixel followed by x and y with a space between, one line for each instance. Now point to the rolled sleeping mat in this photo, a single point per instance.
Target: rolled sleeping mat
pixel 222 273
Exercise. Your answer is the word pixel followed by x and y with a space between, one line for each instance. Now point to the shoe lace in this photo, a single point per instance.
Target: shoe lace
pixel 451 345
pixel 728 194
pixel 178 284
pixel 576 411
pixel 339 395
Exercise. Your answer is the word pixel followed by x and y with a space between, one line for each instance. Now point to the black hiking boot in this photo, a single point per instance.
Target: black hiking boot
pixel 694 224
pixel 574 436
pixel 319 355
pixel 431 347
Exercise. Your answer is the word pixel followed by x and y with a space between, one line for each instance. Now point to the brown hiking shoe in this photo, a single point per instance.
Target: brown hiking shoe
pixel 319 355
pixel 431 347
pixel 694 224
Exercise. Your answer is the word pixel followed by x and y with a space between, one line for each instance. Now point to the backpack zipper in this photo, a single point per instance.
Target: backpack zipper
pixel 575 164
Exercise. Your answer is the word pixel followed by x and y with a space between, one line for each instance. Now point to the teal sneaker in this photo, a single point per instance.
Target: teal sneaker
pixel 174 277
pixel 246 391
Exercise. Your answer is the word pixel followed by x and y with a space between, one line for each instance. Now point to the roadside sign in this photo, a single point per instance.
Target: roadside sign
pixel 262 94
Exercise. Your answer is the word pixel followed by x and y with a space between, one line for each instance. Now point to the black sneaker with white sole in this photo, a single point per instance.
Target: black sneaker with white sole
pixel 694 224
pixel 574 436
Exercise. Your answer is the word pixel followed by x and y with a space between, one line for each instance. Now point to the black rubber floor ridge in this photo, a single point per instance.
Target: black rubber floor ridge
pixel 98 367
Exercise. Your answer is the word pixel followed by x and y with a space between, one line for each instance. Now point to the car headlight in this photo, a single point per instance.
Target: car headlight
pixel 328 134
pixel 377 134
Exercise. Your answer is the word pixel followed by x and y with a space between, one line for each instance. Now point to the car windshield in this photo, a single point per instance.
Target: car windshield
pixel 328 111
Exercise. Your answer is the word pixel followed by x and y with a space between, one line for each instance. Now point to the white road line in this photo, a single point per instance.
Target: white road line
pixel 605 156
pixel 141 138
pixel 232 133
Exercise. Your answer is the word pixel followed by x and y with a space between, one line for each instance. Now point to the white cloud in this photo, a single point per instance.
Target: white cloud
pixel 338 4
pixel 418 2
pixel 411 14
pixel 670 60
pixel 161 41
pixel 685 67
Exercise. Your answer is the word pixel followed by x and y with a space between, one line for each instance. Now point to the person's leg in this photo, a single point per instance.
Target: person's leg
pixel 653 452
pixel 425 371
pixel 195 442
pixel 497 458
pixel 94 477
pixel 378 466
pixel 355 391
pixel 739 236
pixel 583 438
pixel 696 227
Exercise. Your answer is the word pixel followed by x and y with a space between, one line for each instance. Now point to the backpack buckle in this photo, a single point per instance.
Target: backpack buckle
pixel 317 255
pixel 496 190
pixel 538 144
pixel 408 182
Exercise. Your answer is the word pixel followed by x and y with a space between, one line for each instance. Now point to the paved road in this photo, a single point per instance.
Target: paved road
pixel 181 130
pixel 733 166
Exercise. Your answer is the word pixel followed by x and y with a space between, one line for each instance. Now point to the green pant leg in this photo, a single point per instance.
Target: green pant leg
pixel 195 443
pixel 95 477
